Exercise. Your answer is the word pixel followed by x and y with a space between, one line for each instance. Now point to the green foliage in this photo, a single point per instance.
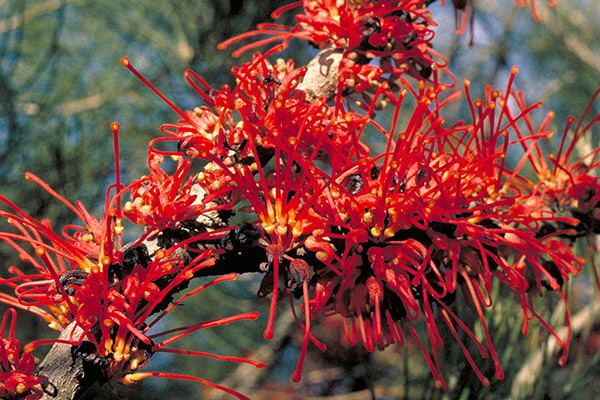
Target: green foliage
pixel 61 85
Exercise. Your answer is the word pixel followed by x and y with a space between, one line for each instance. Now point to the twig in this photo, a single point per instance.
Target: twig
pixel 17 21
pixel 62 372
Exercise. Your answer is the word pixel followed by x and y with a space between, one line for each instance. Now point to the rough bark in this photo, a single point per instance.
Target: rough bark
pixel 62 371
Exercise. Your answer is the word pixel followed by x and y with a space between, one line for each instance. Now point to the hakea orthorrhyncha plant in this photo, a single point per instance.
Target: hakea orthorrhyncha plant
pixel 382 240
pixel 240 130
pixel 386 240
pixel 411 227
pixel 17 364
pixel 113 293
pixel 241 126
pixel 566 183
pixel 398 33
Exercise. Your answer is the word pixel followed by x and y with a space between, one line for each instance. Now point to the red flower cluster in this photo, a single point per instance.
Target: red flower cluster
pixel 423 220
pixel 566 183
pixel 384 240
pixel 397 33
pixel 17 365
pixel 384 237
pixel 85 276
pixel 161 200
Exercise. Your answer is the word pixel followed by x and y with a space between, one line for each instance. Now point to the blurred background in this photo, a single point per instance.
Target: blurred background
pixel 61 85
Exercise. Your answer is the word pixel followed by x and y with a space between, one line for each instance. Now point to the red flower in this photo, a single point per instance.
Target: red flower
pixel 161 200
pixel 17 365
pixel 428 217
pixel 266 118
pixel 566 183
pixel 386 240
pixel 112 292
pixel 396 31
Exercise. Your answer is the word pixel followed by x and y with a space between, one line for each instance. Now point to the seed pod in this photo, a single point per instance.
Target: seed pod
pixel 353 183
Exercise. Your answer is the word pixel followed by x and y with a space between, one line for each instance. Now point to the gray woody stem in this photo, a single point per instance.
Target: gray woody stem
pixel 62 371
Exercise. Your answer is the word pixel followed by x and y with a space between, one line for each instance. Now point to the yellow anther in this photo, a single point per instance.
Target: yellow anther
pixel 128 206
pixel 297 230
pixel 54 325
pixel 269 229
pixel 474 220
pixel 375 231
pixel 282 230
pixel 130 379
pixel 133 365
pixel 146 209
pixel 108 345
pixel 322 256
